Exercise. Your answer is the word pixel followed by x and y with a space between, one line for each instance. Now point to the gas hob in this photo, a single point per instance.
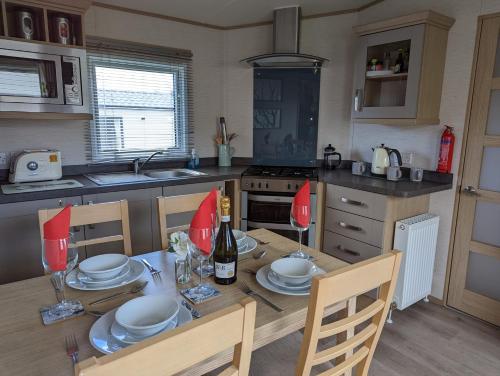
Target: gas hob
pixel 278 179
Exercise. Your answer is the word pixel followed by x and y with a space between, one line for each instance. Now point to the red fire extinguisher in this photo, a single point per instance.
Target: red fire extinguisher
pixel 446 150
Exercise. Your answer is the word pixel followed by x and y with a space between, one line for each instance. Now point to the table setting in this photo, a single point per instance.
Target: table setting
pixel 106 290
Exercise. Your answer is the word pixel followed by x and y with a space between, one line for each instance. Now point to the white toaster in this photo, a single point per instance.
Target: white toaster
pixel 35 165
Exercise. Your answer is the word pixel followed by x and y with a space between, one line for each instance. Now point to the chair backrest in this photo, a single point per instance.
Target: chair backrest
pixel 338 286
pixel 94 214
pixel 177 350
pixel 176 205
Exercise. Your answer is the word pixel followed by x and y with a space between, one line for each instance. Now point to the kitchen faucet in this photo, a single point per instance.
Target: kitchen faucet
pixel 138 166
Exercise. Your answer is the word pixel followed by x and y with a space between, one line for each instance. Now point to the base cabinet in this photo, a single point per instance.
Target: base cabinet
pixel 20 248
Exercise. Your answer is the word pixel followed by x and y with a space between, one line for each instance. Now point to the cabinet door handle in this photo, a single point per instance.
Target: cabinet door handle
pixel 342 249
pixel 358 107
pixel 91 226
pixel 346 200
pixel 349 227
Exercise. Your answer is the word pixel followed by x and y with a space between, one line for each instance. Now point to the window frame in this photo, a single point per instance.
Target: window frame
pixel 181 102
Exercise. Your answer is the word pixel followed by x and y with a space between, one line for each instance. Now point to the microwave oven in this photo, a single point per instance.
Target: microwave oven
pixel 42 78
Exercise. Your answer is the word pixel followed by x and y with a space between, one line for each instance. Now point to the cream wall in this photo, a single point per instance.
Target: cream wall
pixel 207 48
pixel 329 37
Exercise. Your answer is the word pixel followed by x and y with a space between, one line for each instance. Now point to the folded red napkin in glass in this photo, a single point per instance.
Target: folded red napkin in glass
pixel 211 201
pixel 55 234
pixel 200 229
pixel 301 205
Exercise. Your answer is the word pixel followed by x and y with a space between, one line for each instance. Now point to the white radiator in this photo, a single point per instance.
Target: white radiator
pixel 416 237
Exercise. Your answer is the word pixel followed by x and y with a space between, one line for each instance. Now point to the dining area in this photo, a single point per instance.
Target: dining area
pixel 205 302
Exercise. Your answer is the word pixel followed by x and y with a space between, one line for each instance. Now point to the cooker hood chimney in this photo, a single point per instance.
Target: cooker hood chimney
pixel 286 53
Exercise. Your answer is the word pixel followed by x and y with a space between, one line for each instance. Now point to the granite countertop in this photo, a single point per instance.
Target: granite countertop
pixel 433 182
pixel 89 187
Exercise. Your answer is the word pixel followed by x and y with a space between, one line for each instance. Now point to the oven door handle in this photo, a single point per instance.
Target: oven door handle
pixel 270 226
pixel 264 198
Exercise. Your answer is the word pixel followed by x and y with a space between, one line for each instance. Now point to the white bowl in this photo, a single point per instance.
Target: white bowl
pixel 295 271
pixel 147 315
pixel 240 236
pixel 104 266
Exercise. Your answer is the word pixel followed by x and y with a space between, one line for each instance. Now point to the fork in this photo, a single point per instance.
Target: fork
pixel 248 291
pixel 154 272
pixel 72 348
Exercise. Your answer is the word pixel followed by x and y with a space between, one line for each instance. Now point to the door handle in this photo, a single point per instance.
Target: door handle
pixel 358 107
pixel 342 249
pixel 351 202
pixel 349 227
pixel 469 189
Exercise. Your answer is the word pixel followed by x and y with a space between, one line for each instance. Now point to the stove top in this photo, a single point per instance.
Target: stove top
pixel 282 172
pixel 278 179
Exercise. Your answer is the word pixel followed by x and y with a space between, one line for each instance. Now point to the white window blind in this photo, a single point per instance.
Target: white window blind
pixel 141 101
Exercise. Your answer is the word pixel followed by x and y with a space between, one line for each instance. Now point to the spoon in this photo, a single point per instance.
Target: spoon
pixel 256 256
pixel 133 290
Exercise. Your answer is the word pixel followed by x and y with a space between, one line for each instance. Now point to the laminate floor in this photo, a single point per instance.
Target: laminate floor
pixel 424 340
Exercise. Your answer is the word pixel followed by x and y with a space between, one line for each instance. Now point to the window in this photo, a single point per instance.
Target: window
pixel 140 101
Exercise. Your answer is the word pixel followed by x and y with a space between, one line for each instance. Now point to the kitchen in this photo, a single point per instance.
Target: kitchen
pixel 223 86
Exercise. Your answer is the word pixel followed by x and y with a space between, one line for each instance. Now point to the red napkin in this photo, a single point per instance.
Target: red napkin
pixel 200 229
pixel 211 201
pixel 55 234
pixel 301 206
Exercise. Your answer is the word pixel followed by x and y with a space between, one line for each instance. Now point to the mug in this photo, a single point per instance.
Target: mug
pixel 358 168
pixel 416 174
pixel 394 173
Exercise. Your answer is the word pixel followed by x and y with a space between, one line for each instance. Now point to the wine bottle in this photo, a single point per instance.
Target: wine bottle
pixel 226 250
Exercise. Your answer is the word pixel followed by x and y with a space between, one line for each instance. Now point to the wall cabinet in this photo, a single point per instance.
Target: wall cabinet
pixel 20 248
pixel 399 69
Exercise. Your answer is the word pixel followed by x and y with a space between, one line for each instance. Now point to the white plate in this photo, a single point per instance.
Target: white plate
pixel 275 281
pixel 251 244
pixel 264 281
pixel 137 269
pixel 82 277
pixel 100 333
pixel 121 334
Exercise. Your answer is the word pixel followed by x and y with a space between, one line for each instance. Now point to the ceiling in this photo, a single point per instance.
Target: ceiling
pixel 232 12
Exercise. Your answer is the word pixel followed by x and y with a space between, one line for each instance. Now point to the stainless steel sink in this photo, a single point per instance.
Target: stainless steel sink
pixel 130 177
pixel 173 174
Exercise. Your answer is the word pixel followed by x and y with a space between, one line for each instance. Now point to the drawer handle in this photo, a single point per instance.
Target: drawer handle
pixel 346 200
pixel 349 227
pixel 342 249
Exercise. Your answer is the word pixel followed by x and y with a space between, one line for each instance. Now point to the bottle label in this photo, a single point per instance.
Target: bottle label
pixel 225 218
pixel 225 270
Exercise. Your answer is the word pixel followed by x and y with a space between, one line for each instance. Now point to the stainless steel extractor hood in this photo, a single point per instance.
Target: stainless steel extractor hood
pixel 286 53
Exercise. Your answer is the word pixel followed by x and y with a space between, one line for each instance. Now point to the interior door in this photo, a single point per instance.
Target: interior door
pixel 475 271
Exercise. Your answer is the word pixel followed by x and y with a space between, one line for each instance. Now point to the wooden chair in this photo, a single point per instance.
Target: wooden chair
pixel 340 285
pixel 93 214
pixel 179 349
pixel 176 205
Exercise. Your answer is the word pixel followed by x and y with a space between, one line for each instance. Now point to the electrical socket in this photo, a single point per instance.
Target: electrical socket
pixel 407 158
pixel 3 159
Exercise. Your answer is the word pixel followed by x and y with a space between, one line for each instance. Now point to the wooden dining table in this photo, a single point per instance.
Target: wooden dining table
pixel 27 347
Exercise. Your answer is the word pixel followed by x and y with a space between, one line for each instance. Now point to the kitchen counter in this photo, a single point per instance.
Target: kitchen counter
pixel 405 188
pixel 433 182
pixel 89 187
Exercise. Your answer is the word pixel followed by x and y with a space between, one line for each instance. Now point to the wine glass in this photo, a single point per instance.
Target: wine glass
pixel 202 254
pixel 59 257
pixel 300 219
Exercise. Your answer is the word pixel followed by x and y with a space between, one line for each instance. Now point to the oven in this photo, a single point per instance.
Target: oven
pixel 271 210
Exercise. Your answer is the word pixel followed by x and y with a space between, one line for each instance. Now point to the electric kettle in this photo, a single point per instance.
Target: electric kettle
pixel 380 160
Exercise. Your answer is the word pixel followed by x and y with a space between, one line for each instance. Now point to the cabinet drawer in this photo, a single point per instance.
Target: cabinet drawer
pixel 354 226
pixel 367 204
pixel 347 249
